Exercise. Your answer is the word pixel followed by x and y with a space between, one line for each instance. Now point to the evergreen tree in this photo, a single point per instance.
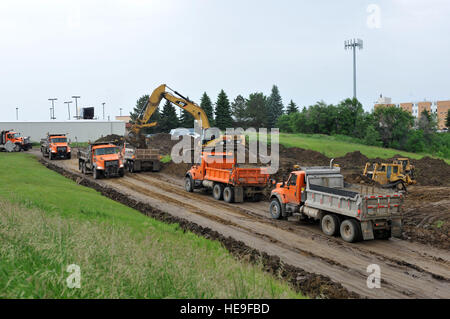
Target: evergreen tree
pixel 223 112
pixel 206 105
pixel 292 108
pixel 239 111
pixel 274 107
pixel 139 110
pixel 169 119
pixel 186 119
pixel 257 110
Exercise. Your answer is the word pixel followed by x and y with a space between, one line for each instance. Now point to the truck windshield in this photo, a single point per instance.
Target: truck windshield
pixel 106 151
pixel 59 140
pixel 16 135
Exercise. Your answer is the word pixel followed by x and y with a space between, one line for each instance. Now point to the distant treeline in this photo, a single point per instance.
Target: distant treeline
pixel 387 126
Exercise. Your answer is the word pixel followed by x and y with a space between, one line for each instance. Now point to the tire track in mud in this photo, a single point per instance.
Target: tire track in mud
pixel 311 284
pixel 394 277
pixel 401 264
pixel 248 214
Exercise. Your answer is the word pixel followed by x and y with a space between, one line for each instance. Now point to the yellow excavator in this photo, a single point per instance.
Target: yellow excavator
pixel 162 92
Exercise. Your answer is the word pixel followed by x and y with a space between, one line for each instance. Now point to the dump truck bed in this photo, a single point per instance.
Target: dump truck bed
pixel 238 176
pixel 141 154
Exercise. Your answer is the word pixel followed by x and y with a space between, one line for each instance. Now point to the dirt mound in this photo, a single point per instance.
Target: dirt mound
pixel 352 160
pixel 163 142
pixel 432 172
pixel 116 139
pixel 360 179
pixel 303 157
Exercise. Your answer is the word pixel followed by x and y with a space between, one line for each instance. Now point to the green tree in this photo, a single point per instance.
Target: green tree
pixel 284 123
pixel 223 112
pixel 447 122
pixel 394 125
pixel 138 112
pixel 239 111
pixel 428 124
pixel 186 119
pixel 206 105
pixel 350 118
pixel 257 110
pixel 372 137
pixel 274 107
pixel 169 119
pixel 291 108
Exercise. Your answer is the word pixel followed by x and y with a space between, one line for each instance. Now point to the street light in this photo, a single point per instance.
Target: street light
pixel 352 45
pixel 103 109
pixel 17 113
pixel 52 110
pixel 120 111
pixel 68 107
pixel 76 97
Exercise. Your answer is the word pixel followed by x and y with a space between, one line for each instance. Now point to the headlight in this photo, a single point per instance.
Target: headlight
pixel 99 167
pixel 53 151
pixel 121 165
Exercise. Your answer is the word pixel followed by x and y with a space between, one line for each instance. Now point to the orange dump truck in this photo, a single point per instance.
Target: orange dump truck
pixel 11 141
pixel 227 179
pixel 55 146
pixel 102 159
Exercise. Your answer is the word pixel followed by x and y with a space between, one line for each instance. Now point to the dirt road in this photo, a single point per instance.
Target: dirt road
pixel 408 270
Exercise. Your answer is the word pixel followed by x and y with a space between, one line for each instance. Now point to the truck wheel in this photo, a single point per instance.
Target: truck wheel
pixel 228 194
pixel 95 173
pixel 218 191
pixel 121 172
pixel 69 155
pixel 188 184
pixel 330 225
pixel 131 167
pixel 350 230
pixel 275 209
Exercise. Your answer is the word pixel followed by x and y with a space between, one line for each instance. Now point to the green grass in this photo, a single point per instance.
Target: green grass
pixel 166 159
pixel 48 222
pixel 336 146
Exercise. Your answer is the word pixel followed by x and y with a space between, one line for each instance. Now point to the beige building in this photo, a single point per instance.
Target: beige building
pixel 440 108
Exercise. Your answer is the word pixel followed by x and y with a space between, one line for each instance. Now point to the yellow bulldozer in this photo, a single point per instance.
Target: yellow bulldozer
pixel 397 175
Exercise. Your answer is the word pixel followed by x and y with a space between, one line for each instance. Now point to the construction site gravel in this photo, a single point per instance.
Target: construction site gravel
pixel 322 267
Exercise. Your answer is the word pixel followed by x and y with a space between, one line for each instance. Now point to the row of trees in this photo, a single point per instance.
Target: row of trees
pixel 387 126
pixel 256 111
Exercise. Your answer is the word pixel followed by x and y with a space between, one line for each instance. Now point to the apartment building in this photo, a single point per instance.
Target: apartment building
pixel 440 108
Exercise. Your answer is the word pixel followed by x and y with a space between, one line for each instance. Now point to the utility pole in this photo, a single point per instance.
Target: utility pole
pixel 17 113
pixel 352 45
pixel 68 107
pixel 120 111
pixel 52 110
pixel 76 97
pixel 103 109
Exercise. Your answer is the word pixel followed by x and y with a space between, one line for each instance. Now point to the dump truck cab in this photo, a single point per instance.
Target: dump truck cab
pixel 291 190
pixel 102 159
pixel 56 146
pixel 13 141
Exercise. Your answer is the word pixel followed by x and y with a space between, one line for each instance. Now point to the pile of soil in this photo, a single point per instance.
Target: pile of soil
pixel 352 160
pixel 432 172
pixel 163 142
pixel 115 139
pixel 426 216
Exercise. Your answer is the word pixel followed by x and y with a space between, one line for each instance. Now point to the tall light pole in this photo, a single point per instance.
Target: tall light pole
pixel 76 97
pixel 68 107
pixel 352 45
pixel 120 111
pixel 52 111
pixel 103 109
pixel 17 113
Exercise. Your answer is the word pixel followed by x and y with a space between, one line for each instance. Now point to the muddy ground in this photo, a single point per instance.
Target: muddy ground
pixel 426 206
pixel 316 264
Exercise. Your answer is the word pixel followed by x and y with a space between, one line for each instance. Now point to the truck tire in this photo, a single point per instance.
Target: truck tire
pixel 121 172
pixel 218 191
pixel 330 225
pixel 228 194
pixel 275 209
pixel 69 155
pixel 188 184
pixel 95 173
pixel 350 230
pixel 131 167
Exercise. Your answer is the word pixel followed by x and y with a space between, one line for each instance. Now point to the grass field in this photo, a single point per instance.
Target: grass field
pixel 336 146
pixel 48 222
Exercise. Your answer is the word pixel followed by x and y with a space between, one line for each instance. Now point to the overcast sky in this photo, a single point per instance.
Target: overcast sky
pixel 117 50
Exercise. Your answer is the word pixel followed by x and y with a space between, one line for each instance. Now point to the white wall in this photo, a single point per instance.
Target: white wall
pixel 78 131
